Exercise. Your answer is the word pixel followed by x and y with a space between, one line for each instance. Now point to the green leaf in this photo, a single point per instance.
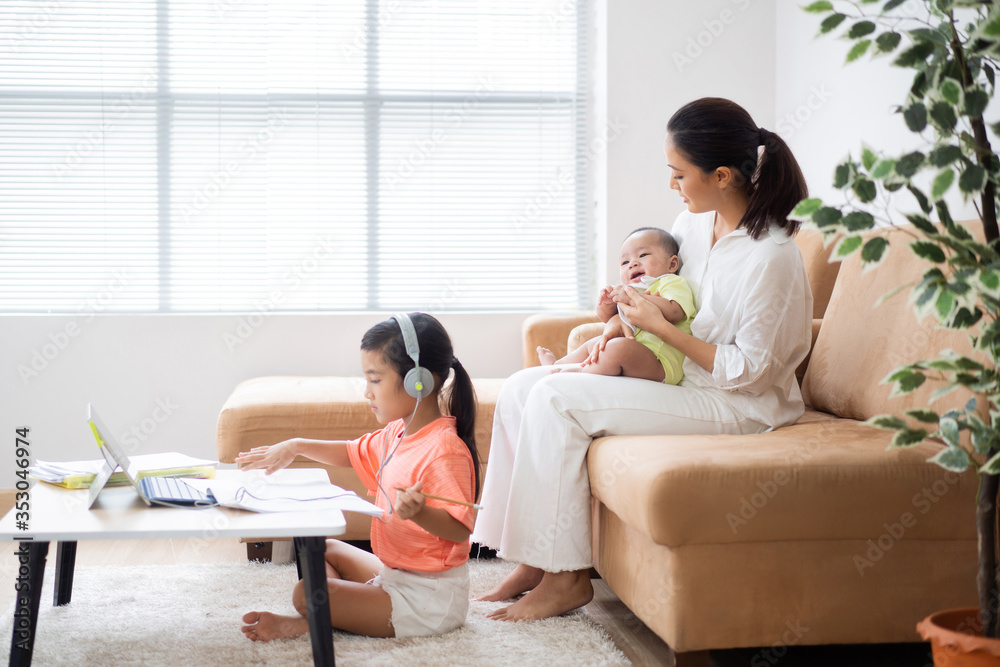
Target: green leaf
pixel 864 189
pixel 858 221
pixel 922 223
pixel 944 155
pixel 948 427
pixel 942 392
pixel 944 116
pixel 952 458
pixel 992 466
pixel 923 415
pixel 921 198
pixel 858 50
pixel 818 7
pixel 944 305
pixel 905 381
pixel 928 250
pixel 868 158
pixel 908 437
pixel 883 168
pixel 914 56
pixel 972 179
pixel 826 216
pixel 976 101
pixel 860 29
pixel 907 165
pixel 806 207
pixel 887 41
pixel 915 116
pixel 887 422
pixel 942 182
pixel 873 252
pixel 990 281
pixel 951 91
pixel 841 175
pixel 990 75
pixel 892 4
pixel 831 22
pixel 846 246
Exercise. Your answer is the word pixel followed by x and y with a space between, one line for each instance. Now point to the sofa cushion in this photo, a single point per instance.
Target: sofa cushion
pixel 822 478
pixel 861 342
pixel 821 271
pixel 266 410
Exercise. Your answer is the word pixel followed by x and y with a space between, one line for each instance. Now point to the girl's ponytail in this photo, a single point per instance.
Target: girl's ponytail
pixel 462 406
pixel 776 187
pixel 714 132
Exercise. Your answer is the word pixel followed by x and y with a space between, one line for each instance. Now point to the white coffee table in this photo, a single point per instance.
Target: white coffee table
pixel 60 515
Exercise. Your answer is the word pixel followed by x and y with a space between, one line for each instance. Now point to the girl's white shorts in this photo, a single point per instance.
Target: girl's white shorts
pixel 426 603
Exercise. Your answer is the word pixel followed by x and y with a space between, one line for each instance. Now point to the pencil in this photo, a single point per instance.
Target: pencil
pixel 447 500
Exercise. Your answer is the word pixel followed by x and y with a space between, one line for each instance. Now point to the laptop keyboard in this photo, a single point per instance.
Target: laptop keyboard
pixel 170 489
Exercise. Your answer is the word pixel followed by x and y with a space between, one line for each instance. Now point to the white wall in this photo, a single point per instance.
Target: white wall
pixel 130 365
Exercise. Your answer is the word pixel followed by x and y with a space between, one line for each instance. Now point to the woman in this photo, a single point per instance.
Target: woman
pixel 753 328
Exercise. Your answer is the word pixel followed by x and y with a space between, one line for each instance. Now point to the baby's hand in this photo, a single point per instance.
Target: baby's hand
pixel 605 297
pixel 409 502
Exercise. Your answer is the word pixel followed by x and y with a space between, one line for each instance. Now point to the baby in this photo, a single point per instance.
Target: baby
pixel 649 262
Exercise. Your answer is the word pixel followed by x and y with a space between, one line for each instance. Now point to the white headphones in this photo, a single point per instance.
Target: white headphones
pixel 419 382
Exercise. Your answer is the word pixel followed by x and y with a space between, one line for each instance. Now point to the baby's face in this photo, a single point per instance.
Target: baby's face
pixel 642 255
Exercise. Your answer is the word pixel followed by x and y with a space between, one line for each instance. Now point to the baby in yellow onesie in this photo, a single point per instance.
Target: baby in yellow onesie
pixel 649 262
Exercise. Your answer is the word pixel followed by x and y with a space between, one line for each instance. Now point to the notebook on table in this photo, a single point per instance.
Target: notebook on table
pixel 164 491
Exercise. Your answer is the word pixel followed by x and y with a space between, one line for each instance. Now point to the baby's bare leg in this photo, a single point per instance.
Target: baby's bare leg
pixel 577 356
pixel 627 357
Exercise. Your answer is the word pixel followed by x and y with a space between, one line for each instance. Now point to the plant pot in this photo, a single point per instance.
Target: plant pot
pixel 956 637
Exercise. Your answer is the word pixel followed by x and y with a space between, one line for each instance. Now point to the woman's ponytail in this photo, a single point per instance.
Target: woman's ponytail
pixel 714 132
pixel 462 406
pixel 776 187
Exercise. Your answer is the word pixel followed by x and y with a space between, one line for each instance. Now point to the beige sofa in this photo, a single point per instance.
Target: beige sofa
pixel 811 534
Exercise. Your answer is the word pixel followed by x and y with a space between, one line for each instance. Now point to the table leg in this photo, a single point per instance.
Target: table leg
pixel 310 551
pixel 31 557
pixel 65 564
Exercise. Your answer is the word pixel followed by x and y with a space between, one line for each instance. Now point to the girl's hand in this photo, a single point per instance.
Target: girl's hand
pixel 643 313
pixel 271 458
pixel 614 328
pixel 409 502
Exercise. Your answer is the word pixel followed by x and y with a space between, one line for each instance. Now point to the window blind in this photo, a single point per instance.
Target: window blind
pixel 184 156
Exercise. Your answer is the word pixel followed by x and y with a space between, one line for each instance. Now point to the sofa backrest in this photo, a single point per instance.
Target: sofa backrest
pixel 822 272
pixel 861 342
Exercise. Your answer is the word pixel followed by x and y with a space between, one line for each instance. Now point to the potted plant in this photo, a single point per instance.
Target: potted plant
pixel 953 46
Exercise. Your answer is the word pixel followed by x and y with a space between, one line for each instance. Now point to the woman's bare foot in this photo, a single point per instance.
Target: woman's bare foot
pixel 263 626
pixel 556 594
pixel 523 578
pixel 545 356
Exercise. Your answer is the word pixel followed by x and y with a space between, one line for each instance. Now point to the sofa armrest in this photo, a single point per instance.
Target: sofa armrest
pixel 582 333
pixel 549 330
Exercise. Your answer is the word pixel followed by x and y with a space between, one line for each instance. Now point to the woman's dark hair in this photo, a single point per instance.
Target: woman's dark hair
pixel 437 356
pixel 713 132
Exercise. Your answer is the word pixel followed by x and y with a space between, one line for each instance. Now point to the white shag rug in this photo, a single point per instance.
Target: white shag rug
pixel 191 615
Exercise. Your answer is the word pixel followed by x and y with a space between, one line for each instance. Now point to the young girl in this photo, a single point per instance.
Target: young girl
pixel 417 581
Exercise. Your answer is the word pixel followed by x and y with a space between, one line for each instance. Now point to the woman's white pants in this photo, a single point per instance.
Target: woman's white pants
pixel 536 497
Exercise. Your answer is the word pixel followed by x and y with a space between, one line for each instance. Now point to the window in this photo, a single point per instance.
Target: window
pixel 223 156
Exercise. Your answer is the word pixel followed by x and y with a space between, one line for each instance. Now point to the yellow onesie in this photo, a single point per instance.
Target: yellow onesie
pixel 670 286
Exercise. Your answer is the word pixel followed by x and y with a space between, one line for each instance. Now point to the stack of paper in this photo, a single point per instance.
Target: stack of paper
pixel 281 492
pixel 79 474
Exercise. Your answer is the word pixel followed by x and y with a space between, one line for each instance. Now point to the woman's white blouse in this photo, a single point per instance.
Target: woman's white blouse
pixel 755 305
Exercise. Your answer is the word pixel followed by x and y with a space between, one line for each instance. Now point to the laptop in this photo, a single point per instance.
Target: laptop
pixel 163 491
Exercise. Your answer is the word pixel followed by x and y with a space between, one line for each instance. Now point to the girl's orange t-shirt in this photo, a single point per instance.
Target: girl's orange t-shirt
pixel 434 455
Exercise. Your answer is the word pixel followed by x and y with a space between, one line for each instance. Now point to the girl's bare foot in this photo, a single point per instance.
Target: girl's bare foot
pixel 545 356
pixel 556 594
pixel 263 626
pixel 523 578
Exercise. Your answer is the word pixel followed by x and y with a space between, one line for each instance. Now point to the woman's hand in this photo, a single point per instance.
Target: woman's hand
pixel 614 328
pixel 409 502
pixel 642 313
pixel 271 459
